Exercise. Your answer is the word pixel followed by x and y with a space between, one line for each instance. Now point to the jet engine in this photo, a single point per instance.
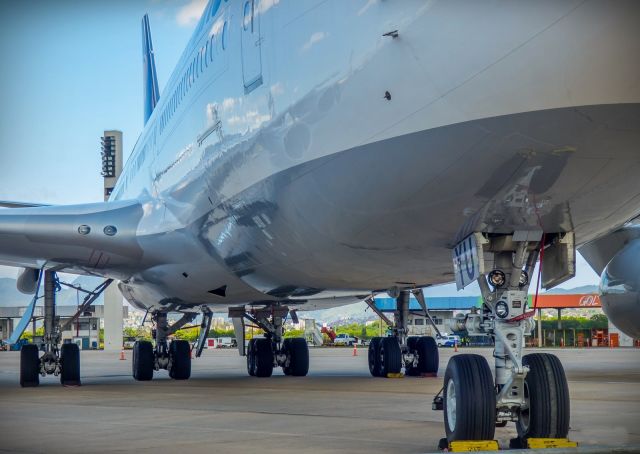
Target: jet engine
pixel 27 280
pixel 620 289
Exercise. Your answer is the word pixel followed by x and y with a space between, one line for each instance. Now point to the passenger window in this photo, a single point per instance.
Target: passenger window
pixel 214 7
pixel 224 35
pixel 247 19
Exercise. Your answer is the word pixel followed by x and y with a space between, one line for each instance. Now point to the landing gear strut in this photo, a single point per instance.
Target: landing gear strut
pixel 175 357
pixel 529 390
pixel 272 350
pixel 387 355
pixel 59 360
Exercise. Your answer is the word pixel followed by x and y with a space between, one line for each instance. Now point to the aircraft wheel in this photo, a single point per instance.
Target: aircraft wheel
pixel 547 393
pixel 429 358
pixel 143 359
pixel 251 358
pixel 391 356
pixel 263 351
pixel 412 346
pixel 469 399
pixel 180 354
pixel 70 362
pixel 29 366
pixel 297 351
pixel 374 357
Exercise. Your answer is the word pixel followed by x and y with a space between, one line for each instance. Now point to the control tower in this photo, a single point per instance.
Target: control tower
pixel 111 170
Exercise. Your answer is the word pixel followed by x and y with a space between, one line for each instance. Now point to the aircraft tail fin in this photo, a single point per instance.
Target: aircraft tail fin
pixel 149 77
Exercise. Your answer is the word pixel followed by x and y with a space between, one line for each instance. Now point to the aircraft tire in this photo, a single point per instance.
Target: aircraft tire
pixel 70 364
pixel 429 358
pixel 180 354
pixel 263 351
pixel 391 356
pixel 143 359
pixel 297 350
pixel 547 391
pixel 469 399
pixel 251 358
pixel 29 366
pixel 374 357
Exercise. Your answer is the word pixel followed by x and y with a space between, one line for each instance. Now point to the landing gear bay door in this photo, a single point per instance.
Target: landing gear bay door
pixel 468 260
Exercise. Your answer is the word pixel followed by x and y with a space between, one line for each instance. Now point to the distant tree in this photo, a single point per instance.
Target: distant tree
pixel 294 333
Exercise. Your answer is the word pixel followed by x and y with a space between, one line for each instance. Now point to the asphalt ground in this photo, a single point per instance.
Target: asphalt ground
pixel 338 407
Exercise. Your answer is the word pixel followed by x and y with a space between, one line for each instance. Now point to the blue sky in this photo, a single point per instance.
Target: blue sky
pixel 70 70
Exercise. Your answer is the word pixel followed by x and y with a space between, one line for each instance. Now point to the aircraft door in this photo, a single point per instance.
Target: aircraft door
pixel 251 46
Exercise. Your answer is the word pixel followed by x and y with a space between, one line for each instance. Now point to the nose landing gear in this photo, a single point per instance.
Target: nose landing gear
pixel 529 390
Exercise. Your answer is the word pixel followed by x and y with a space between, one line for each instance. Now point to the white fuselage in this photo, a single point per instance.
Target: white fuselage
pixel 302 152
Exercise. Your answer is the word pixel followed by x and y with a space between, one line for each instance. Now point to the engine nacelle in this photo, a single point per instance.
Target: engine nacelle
pixel 27 280
pixel 620 289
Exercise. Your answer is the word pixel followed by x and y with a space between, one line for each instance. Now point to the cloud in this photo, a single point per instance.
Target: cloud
pixel 314 39
pixel 189 14
pixel 277 89
pixel 364 9
pixel 266 5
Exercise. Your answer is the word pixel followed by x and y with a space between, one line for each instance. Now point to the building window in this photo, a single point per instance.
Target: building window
pixel 418 321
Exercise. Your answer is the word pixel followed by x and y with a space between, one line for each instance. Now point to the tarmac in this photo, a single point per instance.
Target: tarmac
pixel 338 407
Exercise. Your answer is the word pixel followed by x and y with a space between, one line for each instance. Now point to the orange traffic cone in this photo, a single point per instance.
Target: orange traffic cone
pixel 355 350
pixel 122 358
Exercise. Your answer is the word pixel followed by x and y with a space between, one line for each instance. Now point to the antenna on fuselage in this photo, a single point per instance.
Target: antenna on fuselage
pixel 149 78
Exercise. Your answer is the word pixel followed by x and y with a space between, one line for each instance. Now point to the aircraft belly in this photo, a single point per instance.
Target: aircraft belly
pixel 388 212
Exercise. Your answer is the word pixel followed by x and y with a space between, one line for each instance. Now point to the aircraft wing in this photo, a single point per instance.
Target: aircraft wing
pixel 86 239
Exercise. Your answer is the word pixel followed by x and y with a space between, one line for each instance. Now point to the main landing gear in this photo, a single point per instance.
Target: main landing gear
pixel 175 357
pixel 529 390
pixel 272 350
pixel 388 355
pixel 59 360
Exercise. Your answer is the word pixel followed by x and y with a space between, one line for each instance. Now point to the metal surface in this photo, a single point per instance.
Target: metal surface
pixel 451 404
pixel 88 300
pixel 50 360
pixel 620 289
pixel 423 304
pixel 205 326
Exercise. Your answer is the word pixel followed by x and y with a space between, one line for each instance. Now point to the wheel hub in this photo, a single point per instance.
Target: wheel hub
pixel 524 413
pixel 451 405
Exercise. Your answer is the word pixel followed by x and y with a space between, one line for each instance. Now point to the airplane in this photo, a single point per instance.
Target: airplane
pixel 315 153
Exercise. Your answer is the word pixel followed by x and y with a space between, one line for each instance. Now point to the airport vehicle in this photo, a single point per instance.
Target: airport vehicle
pixel 308 154
pixel 221 342
pixel 344 339
pixel 448 341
